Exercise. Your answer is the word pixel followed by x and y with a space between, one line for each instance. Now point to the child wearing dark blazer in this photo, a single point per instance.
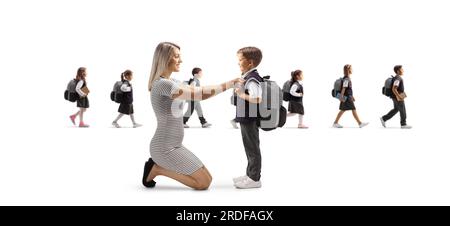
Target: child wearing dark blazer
pixel 126 105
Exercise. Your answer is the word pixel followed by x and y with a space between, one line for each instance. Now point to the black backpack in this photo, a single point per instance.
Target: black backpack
pixel 188 82
pixel 387 88
pixel 117 94
pixel 71 94
pixel 287 90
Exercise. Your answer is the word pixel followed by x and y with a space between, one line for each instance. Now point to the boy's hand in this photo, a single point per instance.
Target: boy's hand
pixel 239 93
pixel 353 98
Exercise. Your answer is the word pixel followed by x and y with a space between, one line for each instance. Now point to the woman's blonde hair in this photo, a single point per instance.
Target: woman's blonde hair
pixel 161 59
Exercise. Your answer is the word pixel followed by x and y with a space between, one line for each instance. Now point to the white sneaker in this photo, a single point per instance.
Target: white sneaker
pixel 248 183
pixel 115 124
pixel 336 125
pixel 239 179
pixel 206 125
pixel 383 123
pixel 406 127
pixel 185 126
pixel 234 124
pixel 136 125
pixel 363 124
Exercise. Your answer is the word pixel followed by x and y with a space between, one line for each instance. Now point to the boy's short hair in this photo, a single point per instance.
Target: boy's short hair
pixel 397 68
pixel 196 70
pixel 347 68
pixel 251 53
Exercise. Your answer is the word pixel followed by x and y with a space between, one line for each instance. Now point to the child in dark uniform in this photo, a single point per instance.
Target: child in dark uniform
pixel 126 105
pixel 296 100
pixel 398 97
pixel 347 99
pixel 83 101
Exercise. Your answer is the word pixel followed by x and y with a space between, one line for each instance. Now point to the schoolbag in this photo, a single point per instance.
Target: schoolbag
pixel 71 94
pixel 287 90
pixel 117 94
pixel 272 114
pixel 337 87
pixel 387 88
pixel 189 81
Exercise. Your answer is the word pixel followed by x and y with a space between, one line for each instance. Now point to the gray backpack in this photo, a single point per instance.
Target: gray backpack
pixel 71 94
pixel 272 114
pixel 337 87
pixel 117 94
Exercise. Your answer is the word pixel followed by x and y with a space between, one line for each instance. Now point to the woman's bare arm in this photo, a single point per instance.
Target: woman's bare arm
pixel 203 92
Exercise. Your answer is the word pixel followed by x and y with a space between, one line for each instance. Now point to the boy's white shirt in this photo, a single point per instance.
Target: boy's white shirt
pixel 253 87
pixel 78 88
pixel 294 89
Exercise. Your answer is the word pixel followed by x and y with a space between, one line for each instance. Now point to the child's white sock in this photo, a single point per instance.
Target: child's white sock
pixel 300 119
pixel 132 118
pixel 118 117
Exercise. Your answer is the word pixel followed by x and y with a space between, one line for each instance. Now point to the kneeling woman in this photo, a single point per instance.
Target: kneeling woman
pixel 168 155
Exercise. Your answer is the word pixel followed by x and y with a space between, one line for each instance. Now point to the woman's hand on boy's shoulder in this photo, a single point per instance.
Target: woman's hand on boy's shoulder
pixel 238 81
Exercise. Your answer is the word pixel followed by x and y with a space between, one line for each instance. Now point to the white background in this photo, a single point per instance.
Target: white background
pixel 44 160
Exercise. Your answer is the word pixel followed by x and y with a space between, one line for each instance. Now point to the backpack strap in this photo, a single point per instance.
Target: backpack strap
pixel 253 76
pixel 190 81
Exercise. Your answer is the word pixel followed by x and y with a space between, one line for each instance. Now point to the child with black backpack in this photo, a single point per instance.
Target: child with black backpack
pixel 82 99
pixel 347 100
pixel 197 74
pixel 296 97
pixel 398 97
pixel 126 102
